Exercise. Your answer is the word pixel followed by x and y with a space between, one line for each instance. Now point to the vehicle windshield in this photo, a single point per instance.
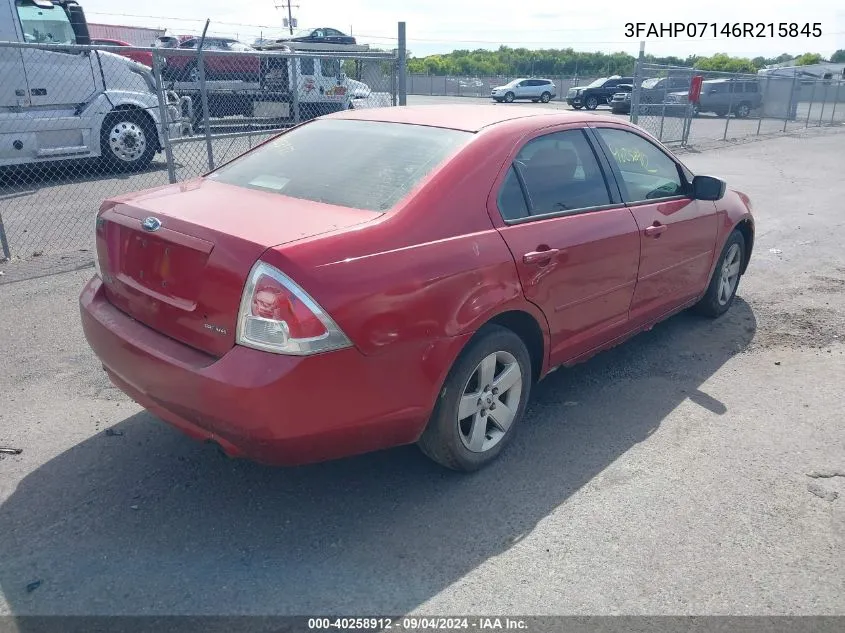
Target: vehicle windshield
pixel 45 25
pixel 597 83
pixel 651 83
pixel 369 165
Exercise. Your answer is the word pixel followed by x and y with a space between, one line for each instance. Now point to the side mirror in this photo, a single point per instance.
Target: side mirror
pixel 708 188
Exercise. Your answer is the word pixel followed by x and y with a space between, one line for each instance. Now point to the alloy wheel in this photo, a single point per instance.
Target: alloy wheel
pixel 489 402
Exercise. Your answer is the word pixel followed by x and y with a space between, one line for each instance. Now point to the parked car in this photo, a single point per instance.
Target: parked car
pixel 276 309
pixel 142 57
pixel 655 89
pixel 233 67
pixel 723 96
pixel 358 89
pixel 534 89
pixel 322 35
pixel 621 101
pixel 597 93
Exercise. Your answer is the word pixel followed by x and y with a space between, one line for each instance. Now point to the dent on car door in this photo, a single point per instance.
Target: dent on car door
pixel 677 233
pixel 575 245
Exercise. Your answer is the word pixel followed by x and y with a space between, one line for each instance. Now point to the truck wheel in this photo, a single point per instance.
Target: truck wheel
pixel 128 140
pixel 591 103
pixel 577 107
pixel 743 110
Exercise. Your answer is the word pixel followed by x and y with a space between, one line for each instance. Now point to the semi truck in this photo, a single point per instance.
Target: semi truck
pixel 62 99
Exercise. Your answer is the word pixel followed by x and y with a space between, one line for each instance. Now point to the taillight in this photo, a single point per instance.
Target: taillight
pixel 276 315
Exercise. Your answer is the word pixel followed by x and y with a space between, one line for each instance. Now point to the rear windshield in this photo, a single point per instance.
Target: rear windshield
pixel 367 165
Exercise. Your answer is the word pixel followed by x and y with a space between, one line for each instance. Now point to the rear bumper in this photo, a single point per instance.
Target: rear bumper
pixel 273 409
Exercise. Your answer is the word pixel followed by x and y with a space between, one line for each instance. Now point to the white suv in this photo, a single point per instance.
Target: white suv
pixel 535 89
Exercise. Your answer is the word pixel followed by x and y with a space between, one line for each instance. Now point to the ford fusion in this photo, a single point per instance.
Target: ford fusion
pixel 404 275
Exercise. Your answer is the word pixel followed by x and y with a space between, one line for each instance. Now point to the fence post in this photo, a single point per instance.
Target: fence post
pixel 204 98
pixel 824 103
pixel 294 78
pixel 792 103
pixel 763 105
pixel 835 101
pixel 638 75
pixel 4 243
pixel 403 91
pixel 162 113
pixel 810 109
pixel 730 108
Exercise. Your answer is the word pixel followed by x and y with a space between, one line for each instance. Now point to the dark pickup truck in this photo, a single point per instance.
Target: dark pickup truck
pixel 597 93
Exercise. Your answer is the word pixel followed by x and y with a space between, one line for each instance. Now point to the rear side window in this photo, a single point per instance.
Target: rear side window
pixel 368 165
pixel 511 199
pixel 560 173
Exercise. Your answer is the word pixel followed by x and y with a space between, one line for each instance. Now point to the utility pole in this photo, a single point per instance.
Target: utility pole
pixel 287 5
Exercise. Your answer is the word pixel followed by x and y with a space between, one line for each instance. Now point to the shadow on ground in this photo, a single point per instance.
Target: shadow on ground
pixel 149 522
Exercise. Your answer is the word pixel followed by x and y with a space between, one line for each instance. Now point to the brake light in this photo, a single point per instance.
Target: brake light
pixel 278 316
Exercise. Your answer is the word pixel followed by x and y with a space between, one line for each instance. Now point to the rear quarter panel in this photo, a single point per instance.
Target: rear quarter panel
pixel 434 268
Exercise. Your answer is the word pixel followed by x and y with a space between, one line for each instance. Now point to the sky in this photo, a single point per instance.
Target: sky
pixel 440 26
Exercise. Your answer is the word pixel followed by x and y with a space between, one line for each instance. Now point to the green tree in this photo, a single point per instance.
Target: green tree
pixel 838 57
pixel 807 59
pixel 725 63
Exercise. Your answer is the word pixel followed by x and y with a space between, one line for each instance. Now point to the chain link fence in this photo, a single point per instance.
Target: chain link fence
pixel 467 86
pixel 730 106
pixel 79 124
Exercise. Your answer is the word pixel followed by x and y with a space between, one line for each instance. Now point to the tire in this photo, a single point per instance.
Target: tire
pixel 509 97
pixel 577 107
pixel 716 300
pixel 696 109
pixel 128 140
pixel 474 441
pixel 545 97
pixel 743 110
pixel 591 103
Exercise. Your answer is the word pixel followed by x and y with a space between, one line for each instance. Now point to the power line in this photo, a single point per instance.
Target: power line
pixel 435 40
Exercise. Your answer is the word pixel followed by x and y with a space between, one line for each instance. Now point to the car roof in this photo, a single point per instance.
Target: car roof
pixel 470 118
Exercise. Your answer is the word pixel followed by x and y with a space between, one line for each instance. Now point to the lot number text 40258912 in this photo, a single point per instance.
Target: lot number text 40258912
pixel 728 29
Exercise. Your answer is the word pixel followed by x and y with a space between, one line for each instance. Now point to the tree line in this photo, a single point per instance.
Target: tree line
pixel 556 62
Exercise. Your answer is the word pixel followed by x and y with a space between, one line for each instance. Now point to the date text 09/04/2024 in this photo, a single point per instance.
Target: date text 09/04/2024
pixel 413 623
pixel 728 29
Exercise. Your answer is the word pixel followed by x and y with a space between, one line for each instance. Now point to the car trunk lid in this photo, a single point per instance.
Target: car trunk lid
pixel 176 259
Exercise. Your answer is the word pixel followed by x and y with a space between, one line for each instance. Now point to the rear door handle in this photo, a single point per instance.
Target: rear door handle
pixel 539 257
pixel 655 230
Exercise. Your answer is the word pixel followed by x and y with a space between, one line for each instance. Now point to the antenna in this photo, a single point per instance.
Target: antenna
pixel 290 20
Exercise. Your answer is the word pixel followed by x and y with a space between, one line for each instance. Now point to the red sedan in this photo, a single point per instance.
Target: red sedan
pixel 142 57
pixel 397 275
pixel 184 68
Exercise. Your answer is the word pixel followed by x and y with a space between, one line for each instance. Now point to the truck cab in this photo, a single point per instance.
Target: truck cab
pixel 60 101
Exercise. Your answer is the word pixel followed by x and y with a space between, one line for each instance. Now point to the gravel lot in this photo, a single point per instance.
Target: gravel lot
pixel 667 476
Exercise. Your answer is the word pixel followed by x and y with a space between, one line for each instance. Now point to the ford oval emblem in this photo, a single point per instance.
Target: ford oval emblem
pixel 151 224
